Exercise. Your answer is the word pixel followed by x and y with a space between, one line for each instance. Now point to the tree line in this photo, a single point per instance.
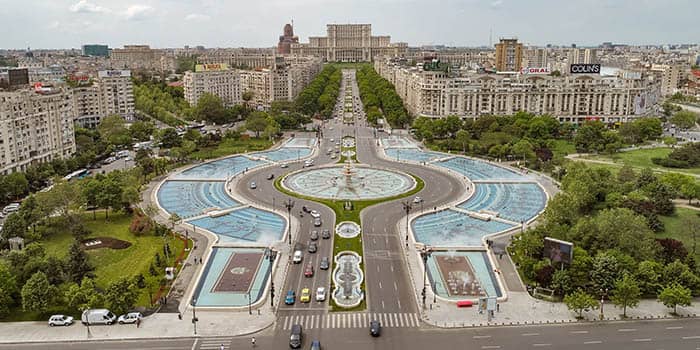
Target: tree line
pixel 320 96
pixel 380 99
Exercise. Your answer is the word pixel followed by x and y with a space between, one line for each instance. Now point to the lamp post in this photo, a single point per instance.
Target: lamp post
pixel 425 254
pixel 603 294
pixel 289 204
pixel 194 314
pixel 250 306
pixel 271 255
pixel 407 208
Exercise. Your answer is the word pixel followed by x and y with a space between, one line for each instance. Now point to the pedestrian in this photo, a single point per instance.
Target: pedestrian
pixel 498 307
pixel 179 316
pixel 221 347
pixel 200 260
pixel 138 322
pixel 195 260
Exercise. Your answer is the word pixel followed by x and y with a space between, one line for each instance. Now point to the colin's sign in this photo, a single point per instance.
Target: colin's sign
pixel 585 68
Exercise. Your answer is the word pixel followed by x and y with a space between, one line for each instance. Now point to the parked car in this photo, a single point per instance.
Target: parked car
pixel 313 247
pixel 295 336
pixel 324 264
pixel 417 200
pixel 131 317
pixel 314 235
pixel 326 233
pixel 305 295
pixel 315 214
pixel 98 316
pixel 290 298
pixel 298 256
pixel 253 185
pixel 60 320
pixel 375 328
pixel 320 293
pixel 305 209
pixel 317 222
pixel 284 165
pixel 309 271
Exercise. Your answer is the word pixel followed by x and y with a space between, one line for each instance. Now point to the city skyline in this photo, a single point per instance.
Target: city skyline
pixel 216 23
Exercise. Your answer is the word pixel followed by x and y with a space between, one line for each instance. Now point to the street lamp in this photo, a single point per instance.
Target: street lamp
pixel 603 294
pixel 271 255
pixel 289 204
pixel 194 314
pixel 250 306
pixel 425 254
pixel 407 208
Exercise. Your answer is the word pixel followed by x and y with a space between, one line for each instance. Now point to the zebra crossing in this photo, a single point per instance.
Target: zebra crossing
pixel 213 343
pixel 349 320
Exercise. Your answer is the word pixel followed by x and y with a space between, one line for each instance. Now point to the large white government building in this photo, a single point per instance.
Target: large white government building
pixel 570 98
pixel 349 43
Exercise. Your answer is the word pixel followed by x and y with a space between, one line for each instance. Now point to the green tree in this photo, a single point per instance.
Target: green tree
pixel 121 295
pixel 113 130
pixel 626 293
pixel 257 122
pixel 462 137
pixel 674 295
pixel 684 119
pixel 110 193
pixel 84 296
pixel 649 277
pixel 169 138
pixel 524 150
pixel 16 184
pixel 579 301
pixel 37 293
pixel 78 267
pixel 141 130
pixel 211 108
pixel 14 226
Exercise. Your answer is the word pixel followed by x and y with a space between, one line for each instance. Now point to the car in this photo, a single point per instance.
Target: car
pixel 295 336
pixel 131 317
pixel 284 165
pixel 337 143
pixel 313 247
pixel 320 293
pixel 314 235
pixel 305 295
pixel 375 328
pixel 60 320
pixel 315 214
pixel 326 233
pixel 332 140
pixel 309 271
pixel 253 185
pixel 417 200
pixel 98 316
pixel 324 264
pixel 290 298
pixel 317 222
pixel 315 345
pixel 298 256
pixel 333 156
pixel 305 209
pixel 271 176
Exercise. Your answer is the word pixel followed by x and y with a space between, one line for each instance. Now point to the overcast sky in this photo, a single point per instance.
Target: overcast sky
pixel 258 23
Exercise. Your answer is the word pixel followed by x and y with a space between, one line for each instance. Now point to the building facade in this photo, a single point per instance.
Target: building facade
pixel 349 43
pixel 111 93
pixel 142 57
pixel 224 83
pixel 284 46
pixel 35 128
pixel 509 55
pixel 573 98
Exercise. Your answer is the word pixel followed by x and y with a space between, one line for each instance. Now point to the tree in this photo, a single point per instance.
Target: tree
pixel 671 250
pixel 626 293
pixel 579 301
pixel 121 295
pixel 113 130
pixel 169 138
pixel 141 130
pixel 523 149
pixel 84 296
pixel 8 289
pixel 684 119
pixel 648 276
pixel 37 293
pixel 110 193
pixel 14 226
pixel 211 108
pixel 78 266
pixel 674 295
pixel 257 122
pixel 16 185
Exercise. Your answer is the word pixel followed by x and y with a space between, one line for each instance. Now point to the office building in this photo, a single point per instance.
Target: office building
pixel 509 55
pixel 349 43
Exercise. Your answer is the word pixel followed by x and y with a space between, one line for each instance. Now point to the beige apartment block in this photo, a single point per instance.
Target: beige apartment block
pixel 111 93
pixel 222 83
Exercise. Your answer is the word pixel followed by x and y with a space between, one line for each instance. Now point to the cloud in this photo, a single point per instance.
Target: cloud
pixel 197 17
pixel 138 12
pixel 496 4
pixel 84 6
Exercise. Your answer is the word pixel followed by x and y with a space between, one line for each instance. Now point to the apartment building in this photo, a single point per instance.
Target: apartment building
pixel 509 55
pixel 220 81
pixel 111 93
pixel 142 57
pixel 36 126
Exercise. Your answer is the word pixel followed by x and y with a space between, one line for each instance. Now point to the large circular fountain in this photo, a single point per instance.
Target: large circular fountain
pixel 349 182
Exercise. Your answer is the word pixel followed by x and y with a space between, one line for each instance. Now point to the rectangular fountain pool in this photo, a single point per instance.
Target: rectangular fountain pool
pixel 451 228
pixel 459 275
pixel 249 225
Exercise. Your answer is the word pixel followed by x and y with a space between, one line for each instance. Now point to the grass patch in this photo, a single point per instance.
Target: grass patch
pixel 232 146
pixel 679 226
pixel 642 159
pixel 561 148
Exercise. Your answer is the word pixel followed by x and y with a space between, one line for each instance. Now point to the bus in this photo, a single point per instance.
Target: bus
pixel 81 173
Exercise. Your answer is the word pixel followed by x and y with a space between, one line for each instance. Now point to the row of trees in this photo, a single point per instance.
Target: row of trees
pixel 320 96
pixel 163 102
pixel 686 156
pixel 379 98
pixel 612 222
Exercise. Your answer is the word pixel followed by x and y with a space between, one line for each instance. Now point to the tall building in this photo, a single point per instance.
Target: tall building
pixel 215 79
pixel 349 43
pixel 536 58
pixel 284 47
pixel 36 126
pixel 95 50
pixel 111 93
pixel 509 55
pixel 142 57
pixel 671 79
pixel 576 56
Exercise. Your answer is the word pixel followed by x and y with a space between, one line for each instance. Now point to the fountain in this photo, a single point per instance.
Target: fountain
pixel 348 278
pixel 347 229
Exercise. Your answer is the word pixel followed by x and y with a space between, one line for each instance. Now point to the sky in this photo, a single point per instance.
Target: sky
pixel 258 23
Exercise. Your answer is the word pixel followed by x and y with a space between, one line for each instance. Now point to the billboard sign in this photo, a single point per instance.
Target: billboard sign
pixel 535 70
pixel 558 251
pixel 114 73
pixel 210 67
pixel 585 68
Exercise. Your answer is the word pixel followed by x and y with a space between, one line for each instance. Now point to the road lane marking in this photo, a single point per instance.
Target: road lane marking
pixel 542 344
pixel 398 302
pixel 677 327
pixel 382 304
pixel 627 330
pixel 579 332
pixel 490 346
pixel 380 285
pixel 397 288
pixel 194 346
pixel 529 334
pixel 592 342
pixel 691 337
pixel 392 270
pixel 481 336
pixel 643 339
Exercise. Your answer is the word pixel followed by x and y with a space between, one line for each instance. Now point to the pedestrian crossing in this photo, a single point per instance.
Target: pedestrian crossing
pixel 213 344
pixel 349 320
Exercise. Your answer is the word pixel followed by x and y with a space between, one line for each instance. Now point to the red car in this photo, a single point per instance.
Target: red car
pixel 309 271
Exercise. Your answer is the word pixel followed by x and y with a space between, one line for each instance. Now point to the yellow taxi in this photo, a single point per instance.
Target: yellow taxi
pixel 305 295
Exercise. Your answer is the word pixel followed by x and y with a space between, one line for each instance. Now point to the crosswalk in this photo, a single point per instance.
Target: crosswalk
pixel 213 344
pixel 349 320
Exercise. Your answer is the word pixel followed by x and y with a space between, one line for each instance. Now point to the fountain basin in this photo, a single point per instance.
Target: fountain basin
pixel 347 229
pixel 347 278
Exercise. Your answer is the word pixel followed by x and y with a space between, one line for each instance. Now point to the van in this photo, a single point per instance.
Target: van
pixel 298 256
pixel 98 316
pixel 122 154
pixel 295 337
pixel 10 208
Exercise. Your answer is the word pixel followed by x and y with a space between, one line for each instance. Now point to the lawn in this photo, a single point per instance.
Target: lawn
pixel 642 159
pixel 680 226
pixel 561 148
pixel 231 146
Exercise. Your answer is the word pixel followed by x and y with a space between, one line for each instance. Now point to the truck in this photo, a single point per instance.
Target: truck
pixel 98 316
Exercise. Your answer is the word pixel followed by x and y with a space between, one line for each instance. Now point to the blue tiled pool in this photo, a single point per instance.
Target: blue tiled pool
pixel 219 169
pixel 453 228
pixel 412 154
pixel 205 294
pixel 190 198
pixel 479 170
pixel 245 226
pixel 301 142
pixel 480 265
pixel 513 201
pixel 284 154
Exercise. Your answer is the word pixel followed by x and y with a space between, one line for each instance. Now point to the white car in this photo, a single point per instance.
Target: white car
pixel 131 317
pixel 60 320
pixel 417 200
pixel 298 256
pixel 315 214
pixel 320 294
pixel 284 165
